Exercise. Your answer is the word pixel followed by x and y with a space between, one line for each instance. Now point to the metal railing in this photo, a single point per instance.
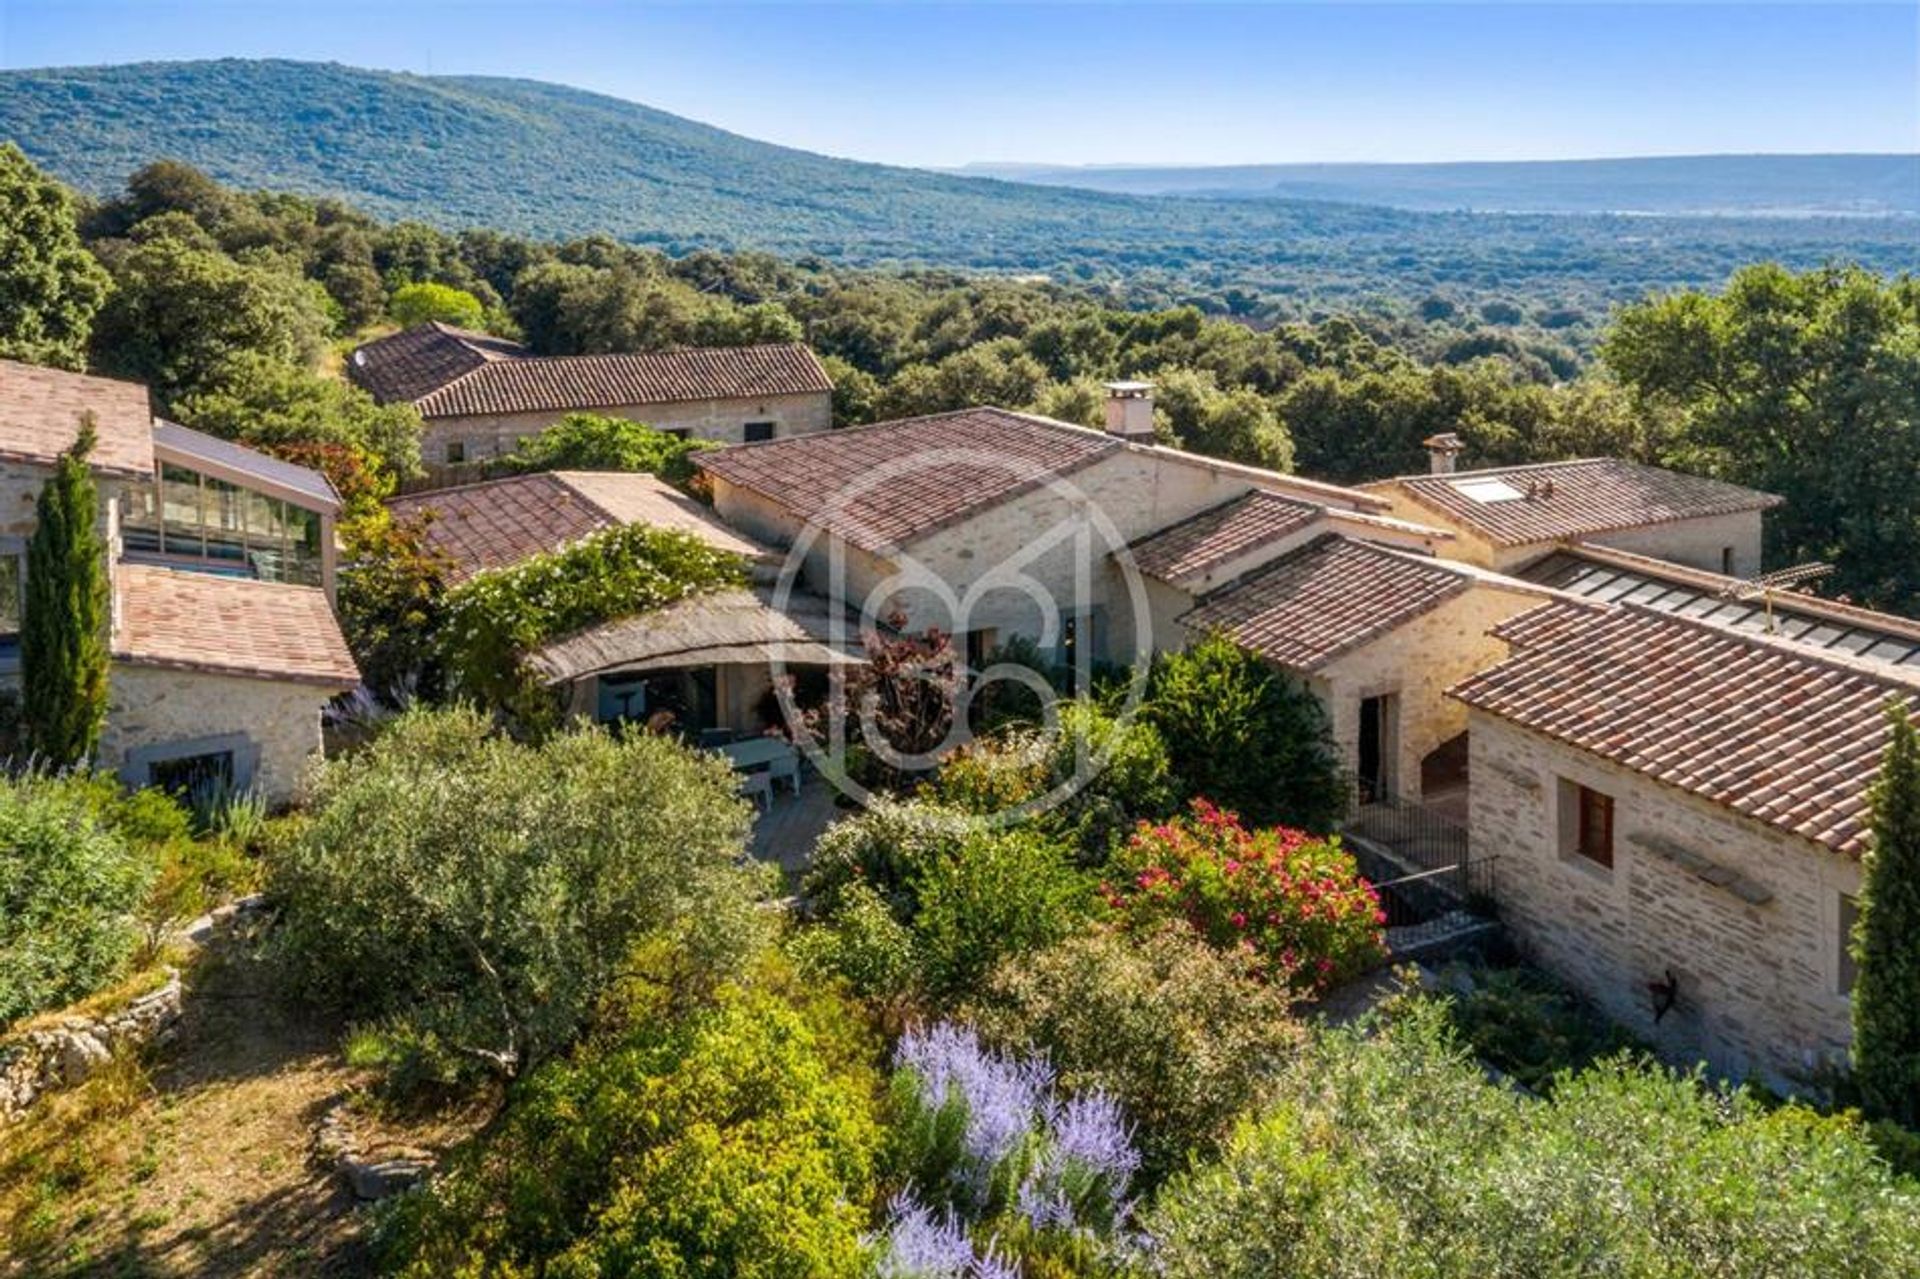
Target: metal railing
pixel 1419 859
pixel 1420 898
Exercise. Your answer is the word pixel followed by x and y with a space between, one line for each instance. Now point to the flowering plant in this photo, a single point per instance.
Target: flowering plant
pixel 993 1150
pixel 1294 902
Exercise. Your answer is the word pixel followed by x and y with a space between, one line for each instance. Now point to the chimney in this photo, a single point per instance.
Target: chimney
pixel 1442 451
pixel 1130 411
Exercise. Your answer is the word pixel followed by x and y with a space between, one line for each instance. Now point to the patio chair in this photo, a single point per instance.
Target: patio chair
pixel 787 769
pixel 758 787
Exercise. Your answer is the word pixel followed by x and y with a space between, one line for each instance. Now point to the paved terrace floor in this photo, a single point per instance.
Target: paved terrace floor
pixel 786 829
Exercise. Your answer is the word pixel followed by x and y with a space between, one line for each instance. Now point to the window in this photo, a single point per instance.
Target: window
pixel 757 431
pixel 677 432
pixel 194 521
pixel 456 452
pixel 194 777
pixel 1847 970
pixel 1726 561
pixel 1585 819
pixel 1594 827
pixel 13 585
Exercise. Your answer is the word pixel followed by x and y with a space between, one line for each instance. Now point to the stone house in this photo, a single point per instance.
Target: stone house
pixel 709 660
pixel 989 524
pixel 1378 634
pixel 225 648
pixel 1677 809
pixel 480 395
pixel 1505 517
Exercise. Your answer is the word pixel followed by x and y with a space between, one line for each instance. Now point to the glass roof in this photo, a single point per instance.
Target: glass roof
pixel 1606 583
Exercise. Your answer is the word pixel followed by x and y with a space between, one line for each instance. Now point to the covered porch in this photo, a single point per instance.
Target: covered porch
pixel 707 670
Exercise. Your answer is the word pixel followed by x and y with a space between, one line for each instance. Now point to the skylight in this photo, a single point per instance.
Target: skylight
pixel 1488 490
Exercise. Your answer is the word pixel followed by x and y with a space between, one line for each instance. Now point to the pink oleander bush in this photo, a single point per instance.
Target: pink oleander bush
pixel 1293 901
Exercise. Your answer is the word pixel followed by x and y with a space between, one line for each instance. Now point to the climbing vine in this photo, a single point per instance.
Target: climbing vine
pixel 494 620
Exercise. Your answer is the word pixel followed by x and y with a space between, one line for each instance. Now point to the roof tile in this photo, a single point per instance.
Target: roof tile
pixel 884 485
pixel 1325 599
pixel 1213 537
pixel 407 365
pixel 566 382
pixel 1572 499
pixel 40 411
pixel 496 523
pixel 229 626
pixel 1766 729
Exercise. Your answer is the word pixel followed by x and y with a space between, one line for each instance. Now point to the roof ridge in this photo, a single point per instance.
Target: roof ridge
pixel 842 432
pixel 522 360
pixel 490 481
pixel 1525 466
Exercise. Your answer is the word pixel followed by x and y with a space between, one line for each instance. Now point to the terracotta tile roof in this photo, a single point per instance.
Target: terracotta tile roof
pixel 1213 537
pixel 1325 599
pixel 882 486
pixel 1766 729
pixel 40 412
pixel 496 523
pixel 229 626
pixel 1572 499
pixel 611 381
pixel 424 358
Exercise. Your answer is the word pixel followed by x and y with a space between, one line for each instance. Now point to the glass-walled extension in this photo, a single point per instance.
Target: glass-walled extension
pixel 192 520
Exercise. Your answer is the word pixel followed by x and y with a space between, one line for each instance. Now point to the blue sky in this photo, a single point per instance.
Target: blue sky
pixel 941 84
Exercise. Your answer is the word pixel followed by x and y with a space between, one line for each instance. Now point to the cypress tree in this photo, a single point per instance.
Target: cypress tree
pixel 63 635
pixel 1886 936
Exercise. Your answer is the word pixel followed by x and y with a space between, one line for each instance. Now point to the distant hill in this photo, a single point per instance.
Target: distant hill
pixel 1702 185
pixel 553 161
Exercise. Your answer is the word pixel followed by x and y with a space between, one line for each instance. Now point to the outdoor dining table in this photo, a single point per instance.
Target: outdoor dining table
pixel 779 758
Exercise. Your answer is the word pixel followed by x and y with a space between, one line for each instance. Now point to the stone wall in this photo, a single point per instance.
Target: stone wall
pixel 1417 663
pixel 37 1062
pixel 275 724
pixel 1698 543
pixel 723 421
pixel 1746 918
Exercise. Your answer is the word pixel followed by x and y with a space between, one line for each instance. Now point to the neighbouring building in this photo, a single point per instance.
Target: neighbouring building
pixel 1505 517
pixel 480 395
pixel 988 523
pixel 1678 809
pixel 710 661
pixel 225 647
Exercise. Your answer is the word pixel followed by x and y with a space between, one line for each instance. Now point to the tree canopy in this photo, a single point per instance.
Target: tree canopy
pixel 50 286
pixel 1806 385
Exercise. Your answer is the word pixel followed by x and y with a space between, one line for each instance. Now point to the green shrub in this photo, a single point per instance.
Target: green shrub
pixel 1086 783
pixel 738 1141
pixel 1530 1025
pixel 597 442
pixel 885 847
pixel 1184 1037
pixel 494 619
pixel 69 885
pixel 1000 894
pixel 1246 736
pixel 1886 994
pixel 481 896
pixel 1390 1156
pixel 862 945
